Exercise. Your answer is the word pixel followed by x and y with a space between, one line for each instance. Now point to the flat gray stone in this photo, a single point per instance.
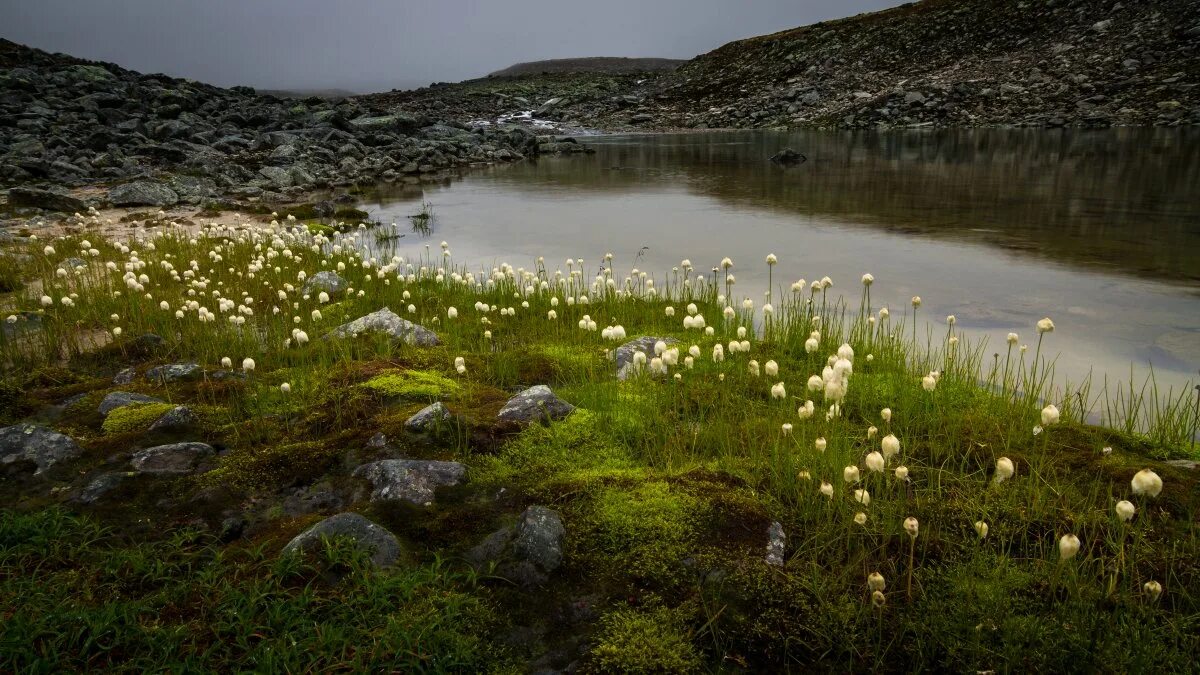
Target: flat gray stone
pixel 388 322
pixel 33 443
pixel 382 545
pixel 174 372
pixel 50 200
pixel 533 404
pixel 623 355
pixel 142 193
pixel 776 540
pixel 174 458
pixel 101 485
pixel 176 419
pixel 126 376
pixel 410 480
pixel 120 399
pixel 330 282
pixel 427 417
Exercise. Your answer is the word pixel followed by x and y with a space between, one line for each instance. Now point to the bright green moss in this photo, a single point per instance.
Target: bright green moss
pixel 273 466
pixel 414 384
pixel 647 530
pixel 644 641
pixel 134 417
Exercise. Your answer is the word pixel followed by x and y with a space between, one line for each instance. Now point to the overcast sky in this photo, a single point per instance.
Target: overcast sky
pixel 371 45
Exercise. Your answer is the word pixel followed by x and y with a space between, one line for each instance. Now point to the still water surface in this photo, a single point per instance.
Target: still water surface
pixel 1098 230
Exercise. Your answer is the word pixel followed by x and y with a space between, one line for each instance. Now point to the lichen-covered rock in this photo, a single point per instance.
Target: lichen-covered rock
pixel 526 552
pixel 174 458
pixel 427 417
pixel 120 399
pixel 173 372
pixel 776 540
pixel 125 376
pixel 100 486
pixel 388 322
pixel 330 282
pixel 142 193
pixel 533 404
pixel 410 480
pixel 176 419
pixel 37 444
pixel 381 544
pixel 623 355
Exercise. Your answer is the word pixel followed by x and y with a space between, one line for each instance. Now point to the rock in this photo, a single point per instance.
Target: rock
pixel 142 193
pixel 118 399
pixel 911 97
pixel 1189 464
pixel 173 372
pixel 328 282
pixel 311 500
pixel 788 157
pixel 641 118
pixel 386 321
pixel 427 417
pixel 37 444
pixel 411 480
pixel 526 552
pixel 175 458
pixel 623 355
pixel 382 545
pixel 549 105
pixel 811 98
pixel 125 376
pixel 776 540
pixel 377 441
pixel 100 486
pixel 533 404
pixel 178 418
pixel 45 199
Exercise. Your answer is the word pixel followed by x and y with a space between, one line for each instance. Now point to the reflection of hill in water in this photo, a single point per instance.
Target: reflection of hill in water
pixel 1124 200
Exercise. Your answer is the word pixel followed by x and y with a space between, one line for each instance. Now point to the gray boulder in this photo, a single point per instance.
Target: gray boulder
pixel 176 419
pixel 142 193
pixel 175 458
pixel 329 282
pixel 388 322
pixel 120 399
pixel 526 552
pixel 173 372
pixel 125 376
pixel 37 444
pixel 533 404
pixel 410 480
pixel 776 539
pixel 427 417
pixel 45 199
pixel 382 545
pixel 623 355
pixel 101 485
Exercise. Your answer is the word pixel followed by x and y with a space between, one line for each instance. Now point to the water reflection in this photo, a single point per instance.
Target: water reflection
pixel 1099 229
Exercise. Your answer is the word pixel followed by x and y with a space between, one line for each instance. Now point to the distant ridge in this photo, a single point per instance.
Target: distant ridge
pixel 593 64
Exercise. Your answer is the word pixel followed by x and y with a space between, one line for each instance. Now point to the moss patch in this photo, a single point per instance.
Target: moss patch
pixel 273 466
pixel 412 384
pixel 134 417
pixel 644 641
pixel 645 531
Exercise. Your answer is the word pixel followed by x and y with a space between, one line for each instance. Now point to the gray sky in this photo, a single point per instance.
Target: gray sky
pixel 371 45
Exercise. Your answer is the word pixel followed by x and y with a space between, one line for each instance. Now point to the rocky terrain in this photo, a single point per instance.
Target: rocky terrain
pixel 592 64
pixel 160 141
pixel 1042 63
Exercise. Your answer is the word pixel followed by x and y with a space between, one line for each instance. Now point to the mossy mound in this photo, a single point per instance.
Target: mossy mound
pixel 412 384
pixel 135 417
pixel 653 640
pixel 274 466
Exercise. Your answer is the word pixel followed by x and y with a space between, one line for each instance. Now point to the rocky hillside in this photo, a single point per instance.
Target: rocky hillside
pixel 932 63
pixel 955 62
pixel 594 64
pixel 69 122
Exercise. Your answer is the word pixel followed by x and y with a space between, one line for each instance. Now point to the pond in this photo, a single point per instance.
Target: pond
pixel 1099 230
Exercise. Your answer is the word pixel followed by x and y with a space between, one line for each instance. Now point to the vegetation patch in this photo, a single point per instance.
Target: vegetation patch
pixel 412 384
pixel 649 640
pixel 135 417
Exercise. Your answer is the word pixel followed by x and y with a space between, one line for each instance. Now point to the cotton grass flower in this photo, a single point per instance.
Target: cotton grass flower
pixel 778 391
pixel 1068 546
pixel 1045 326
pixel 902 472
pixel 860 518
pixel 1146 482
pixel 875 461
pixel 886 414
pixel 226 362
pixel 890 446
pixel 929 383
pixel 1004 470
pixel 851 474
pixel 862 497
pixel 875 582
pixel 878 599
pixel 912 527
pixel 771 368
pixel 820 444
pixel 1124 510
pixel 827 489
pixel 285 388
pixel 1050 415
pixel 452 313
pixel 460 365
pixel 787 428
pixel 872 432
pixel 1152 589
pixel 806 411
pixel 248 364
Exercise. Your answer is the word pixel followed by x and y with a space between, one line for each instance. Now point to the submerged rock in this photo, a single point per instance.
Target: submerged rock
pixel 173 372
pixel 533 404
pixel 37 444
pixel 120 399
pixel 788 157
pixel 410 480
pixel 381 544
pixel 427 417
pixel 175 458
pixel 526 552
pixel 388 322
pixel 623 355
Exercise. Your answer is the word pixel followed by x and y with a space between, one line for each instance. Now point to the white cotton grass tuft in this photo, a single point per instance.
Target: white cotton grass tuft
pixel 1146 482
pixel 862 497
pixel 875 582
pixel 1004 470
pixel 1068 546
pixel 860 518
pixel 460 365
pixel 902 472
pixel 886 414
pixel 875 461
pixel 806 411
pixel 1124 510
pixel 248 364
pixel 981 529
pixel 285 388
pixel 771 368
pixel 778 391
pixel 851 474
pixel 1050 415
pixel 826 489
pixel 912 527
pixel 820 444
pixel 1152 589
pixel 890 446
pixel 1045 326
